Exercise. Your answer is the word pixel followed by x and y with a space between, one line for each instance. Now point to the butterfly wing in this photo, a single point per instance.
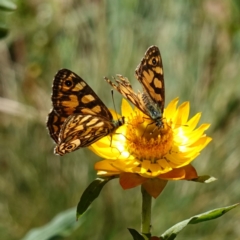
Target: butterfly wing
pixel 150 74
pixel 81 131
pixel 54 123
pixel 70 95
pixel 124 87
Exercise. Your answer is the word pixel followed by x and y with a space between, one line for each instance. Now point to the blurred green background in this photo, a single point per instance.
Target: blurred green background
pixel 200 44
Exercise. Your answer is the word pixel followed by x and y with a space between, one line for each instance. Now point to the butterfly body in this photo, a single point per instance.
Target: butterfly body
pixel 78 118
pixel 150 74
pixel 152 109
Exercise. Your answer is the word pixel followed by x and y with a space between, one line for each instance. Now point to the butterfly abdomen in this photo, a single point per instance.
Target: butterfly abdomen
pixel 152 108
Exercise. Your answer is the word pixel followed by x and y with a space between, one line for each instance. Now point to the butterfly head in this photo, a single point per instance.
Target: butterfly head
pixel 119 122
pixel 68 147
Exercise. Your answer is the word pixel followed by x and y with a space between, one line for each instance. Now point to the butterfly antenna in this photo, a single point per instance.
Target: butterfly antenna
pixel 114 106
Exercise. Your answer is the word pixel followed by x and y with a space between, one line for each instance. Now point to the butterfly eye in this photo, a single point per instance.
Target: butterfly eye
pixel 68 83
pixel 154 61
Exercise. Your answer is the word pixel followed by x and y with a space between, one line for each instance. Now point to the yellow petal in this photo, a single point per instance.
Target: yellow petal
pixel 126 108
pixel 182 113
pixel 169 112
pixel 192 123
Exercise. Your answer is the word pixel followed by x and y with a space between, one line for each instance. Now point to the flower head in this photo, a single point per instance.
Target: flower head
pixel 141 153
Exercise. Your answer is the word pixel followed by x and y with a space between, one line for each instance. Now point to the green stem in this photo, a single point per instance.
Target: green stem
pixel 146 214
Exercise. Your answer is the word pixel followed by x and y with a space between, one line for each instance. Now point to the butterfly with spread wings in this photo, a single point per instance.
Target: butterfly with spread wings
pixel 78 118
pixel 150 74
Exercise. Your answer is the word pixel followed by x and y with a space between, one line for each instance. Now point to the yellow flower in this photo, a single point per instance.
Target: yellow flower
pixel 141 153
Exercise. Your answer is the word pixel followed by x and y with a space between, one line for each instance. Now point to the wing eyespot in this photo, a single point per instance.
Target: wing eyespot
pixel 68 83
pixel 154 61
pixel 70 147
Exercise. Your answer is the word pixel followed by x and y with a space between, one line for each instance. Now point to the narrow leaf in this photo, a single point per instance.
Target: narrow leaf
pixel 204 179
pixel 172 232
pixel 216 213
pixel 90 194
pixel 3 30
pixel 61 226
pixel 7 5
pixel 135 234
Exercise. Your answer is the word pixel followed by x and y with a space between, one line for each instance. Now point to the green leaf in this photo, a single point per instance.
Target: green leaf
pixel 204 179
pixel 90 194
pixel 135 234
pixel 171 233
pixel 7 5
pixel 61 226
pixel 3 30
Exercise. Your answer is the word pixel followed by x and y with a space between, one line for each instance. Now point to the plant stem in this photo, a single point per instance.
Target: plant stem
pixel 146 213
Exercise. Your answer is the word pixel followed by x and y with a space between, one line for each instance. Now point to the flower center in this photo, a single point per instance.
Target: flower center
pixel 146 141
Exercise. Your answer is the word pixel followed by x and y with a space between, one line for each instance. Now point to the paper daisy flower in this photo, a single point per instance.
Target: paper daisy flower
pixel 142 154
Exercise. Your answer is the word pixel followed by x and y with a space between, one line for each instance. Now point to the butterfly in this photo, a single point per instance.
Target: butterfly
pixel 150 74
pixel 79 117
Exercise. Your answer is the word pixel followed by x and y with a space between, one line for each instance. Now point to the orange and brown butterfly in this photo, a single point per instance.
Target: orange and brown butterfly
pixel 150 74
pixel 78 118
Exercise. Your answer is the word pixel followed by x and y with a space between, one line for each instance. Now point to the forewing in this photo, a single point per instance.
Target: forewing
pixel 150 74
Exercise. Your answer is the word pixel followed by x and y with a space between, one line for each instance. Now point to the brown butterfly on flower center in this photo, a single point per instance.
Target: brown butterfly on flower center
pixel 150 74
pixel 79 117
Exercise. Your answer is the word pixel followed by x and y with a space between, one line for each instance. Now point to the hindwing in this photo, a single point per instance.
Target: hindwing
pixel 82 130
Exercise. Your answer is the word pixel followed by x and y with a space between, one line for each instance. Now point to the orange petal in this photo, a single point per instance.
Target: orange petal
pixel 130 180
pixel 175 174
pixel 154 186
pixel 187 172
pixel 190 171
